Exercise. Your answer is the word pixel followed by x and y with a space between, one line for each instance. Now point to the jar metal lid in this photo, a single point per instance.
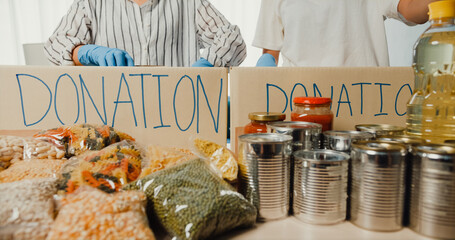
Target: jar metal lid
pixel 267 116
pixel 312 100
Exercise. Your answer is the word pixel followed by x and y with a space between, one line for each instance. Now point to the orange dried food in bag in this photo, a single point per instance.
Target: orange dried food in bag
pixel 31 169
pixel 107 169
pixel 222 158
pixel 92 214
pixel 79 138
pixel 159 157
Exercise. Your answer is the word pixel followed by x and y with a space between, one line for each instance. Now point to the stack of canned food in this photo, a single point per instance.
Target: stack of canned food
pixel 376 176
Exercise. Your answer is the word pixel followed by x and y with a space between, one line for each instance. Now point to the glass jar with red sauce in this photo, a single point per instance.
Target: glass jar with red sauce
pixel 259 121
pixel 313 109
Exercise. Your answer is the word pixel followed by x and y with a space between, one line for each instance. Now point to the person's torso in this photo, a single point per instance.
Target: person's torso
pixel 159 32
pixel 333 33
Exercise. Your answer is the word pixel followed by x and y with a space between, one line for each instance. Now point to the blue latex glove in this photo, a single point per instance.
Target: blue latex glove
pixel 94 55
pixel 202 62
pixel 266 60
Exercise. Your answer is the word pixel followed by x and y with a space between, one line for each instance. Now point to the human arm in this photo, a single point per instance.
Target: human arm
pixel 414 10
pixel 275 54
pixel 269 33
pixel 221 41
pixel 73 30
pixel 269 58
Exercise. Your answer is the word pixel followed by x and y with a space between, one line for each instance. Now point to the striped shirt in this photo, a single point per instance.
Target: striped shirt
pixel 158 32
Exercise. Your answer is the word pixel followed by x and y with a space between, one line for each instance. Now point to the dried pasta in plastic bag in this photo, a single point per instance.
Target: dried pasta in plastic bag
pixel 158 158
pixel 107 169
pixel 193 202
pixel 219 156
pixel 27 209
pixel 38 149
pixel 31 169
pixel 92 214
pixel 11 150
pixel 78 138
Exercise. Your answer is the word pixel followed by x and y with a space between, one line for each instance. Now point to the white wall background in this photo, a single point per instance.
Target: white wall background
pixel 32 21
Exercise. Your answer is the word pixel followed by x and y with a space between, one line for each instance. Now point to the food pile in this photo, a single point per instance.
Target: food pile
pixel 90 181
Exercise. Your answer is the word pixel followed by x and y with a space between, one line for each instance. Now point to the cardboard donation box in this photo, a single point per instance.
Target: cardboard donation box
pixel 156 105
pixel 367 95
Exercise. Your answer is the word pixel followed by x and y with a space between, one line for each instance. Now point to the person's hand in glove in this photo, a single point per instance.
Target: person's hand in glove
pixel 266 60
pixel 94 55
pixel 202 62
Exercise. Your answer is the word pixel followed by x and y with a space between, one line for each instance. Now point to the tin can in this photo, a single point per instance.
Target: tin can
pixel 305 136
pixel 433 191
pixel 381 129
pixel 378 174
pixel 264 163
pixel 320 186
pixel 341 140
pixel 409 142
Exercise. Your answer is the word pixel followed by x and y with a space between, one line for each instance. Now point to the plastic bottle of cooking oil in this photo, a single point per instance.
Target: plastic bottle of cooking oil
pixel 431 109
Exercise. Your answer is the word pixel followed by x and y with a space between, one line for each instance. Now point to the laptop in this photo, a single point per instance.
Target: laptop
pixel 34 54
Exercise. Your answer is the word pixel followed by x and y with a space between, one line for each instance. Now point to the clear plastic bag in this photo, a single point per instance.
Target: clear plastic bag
pixel 31 169
pixel 38 149
pixel 27 209
pixel 222 158
pixel 107 169
pixel 79 138
pixel 158 158
pixel 192 202
pixel 11 150
pixel 93 214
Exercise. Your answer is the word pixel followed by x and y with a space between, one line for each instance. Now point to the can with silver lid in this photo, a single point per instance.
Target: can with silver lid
pixel 305 136
pixel 320 186
pixel 433 191
pixel 378 170
pixel 381 129
pixel 410 142
pixel 341 140
pixel 264 179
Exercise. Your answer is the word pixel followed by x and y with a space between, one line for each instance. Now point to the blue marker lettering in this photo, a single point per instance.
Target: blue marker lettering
pixel 347 97
pixel 142 88
pixel 215 124
pixel 123 79
pixel 316 89
pixel 159 100
pixel 194 103
pixel 55 97
pixel 380 92
pixel 22 99
pixel 396 98
pixel 361 94
pixel 83 86
pixel 268 97
pixel 292 95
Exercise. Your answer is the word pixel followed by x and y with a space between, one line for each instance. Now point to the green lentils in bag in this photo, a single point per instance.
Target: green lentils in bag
pixel 192 202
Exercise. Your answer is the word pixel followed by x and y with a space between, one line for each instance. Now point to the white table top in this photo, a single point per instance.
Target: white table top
pixel 292 228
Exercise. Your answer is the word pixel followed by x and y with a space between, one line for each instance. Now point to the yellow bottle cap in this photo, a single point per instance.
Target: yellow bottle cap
pixel 442 9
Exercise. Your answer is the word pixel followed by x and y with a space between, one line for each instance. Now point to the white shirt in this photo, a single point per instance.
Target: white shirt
pixel 159 32
pixel 326 32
